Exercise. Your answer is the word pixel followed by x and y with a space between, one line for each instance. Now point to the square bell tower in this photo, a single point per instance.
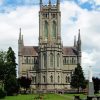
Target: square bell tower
pixel 49 23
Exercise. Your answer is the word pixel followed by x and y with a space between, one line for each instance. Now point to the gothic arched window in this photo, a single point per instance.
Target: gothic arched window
pixel 44 60
pixel 46 29
pixel 34 79
pixel 54 29
pixel 26 60
pixel 44 79
pixel 51 78
pixel 67 79
pixel 67 61
pixel 51 60
pixel 64 60
pixel 72 60
pixel 58 79
pixel 58 59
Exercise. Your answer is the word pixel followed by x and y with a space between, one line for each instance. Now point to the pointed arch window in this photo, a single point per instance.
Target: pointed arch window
pixel 46 29
pixel 54 29
pixel 67 61
pixel 64 60
pixel 51 60
pixel 58 79
pixel 51 78
pixel 44 79
pixel 67 79
pixel 58 59
pixel 73 60
pixel 34 79
pixel 26 60
pixel 44 60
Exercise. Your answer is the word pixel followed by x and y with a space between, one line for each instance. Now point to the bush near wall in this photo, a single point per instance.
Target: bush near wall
pixel 2 94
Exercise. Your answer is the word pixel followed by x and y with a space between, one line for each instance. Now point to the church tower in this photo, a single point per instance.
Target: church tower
pixel 50 65
pixel 50 48
pixel 49 23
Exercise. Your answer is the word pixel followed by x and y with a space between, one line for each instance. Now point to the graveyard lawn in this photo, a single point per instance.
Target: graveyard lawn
pixel 44 97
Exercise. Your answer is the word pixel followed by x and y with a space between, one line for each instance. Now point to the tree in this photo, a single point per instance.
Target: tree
pixel 2 73
pixel 96 82
pixel 2 67
pixel 11 85
pixel 8 71
pixel 24 83
pixel 11 61
pixel 2 93
pixel 78 79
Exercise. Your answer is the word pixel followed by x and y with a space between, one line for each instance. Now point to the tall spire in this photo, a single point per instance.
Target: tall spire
pixel 41 4
pixel 58 1
pixel 79 41
pixel 79 38
pixel 58 4
pixel 22 40
pixel 75 41
pixel 49 2
pixel 20 34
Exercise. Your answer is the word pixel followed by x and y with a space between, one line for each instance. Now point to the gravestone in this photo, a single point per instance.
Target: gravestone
pixel 90 85
pixel 91 95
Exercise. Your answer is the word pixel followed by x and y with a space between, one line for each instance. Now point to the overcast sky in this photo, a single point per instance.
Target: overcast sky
pixel 75 14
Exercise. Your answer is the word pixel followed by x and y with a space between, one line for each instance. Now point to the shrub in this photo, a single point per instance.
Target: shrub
pixel 11 86
pixel 2 93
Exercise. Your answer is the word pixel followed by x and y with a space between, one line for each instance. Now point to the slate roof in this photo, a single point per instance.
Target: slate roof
pixel 69 51
pixel 30 51
pixel 33 51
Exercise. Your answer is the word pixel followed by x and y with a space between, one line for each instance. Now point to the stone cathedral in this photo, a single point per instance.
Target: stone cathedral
pixel 50 64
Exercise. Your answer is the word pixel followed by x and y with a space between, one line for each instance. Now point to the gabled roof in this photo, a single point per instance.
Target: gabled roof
pixel 69 51
pixel 30 51
pixel 33 51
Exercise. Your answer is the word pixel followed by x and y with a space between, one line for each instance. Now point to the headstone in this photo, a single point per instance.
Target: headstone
pixel 91 95
pixel 90 85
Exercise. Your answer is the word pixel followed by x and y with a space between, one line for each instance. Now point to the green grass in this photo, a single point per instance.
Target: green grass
pixel 20 97
pixel 45 97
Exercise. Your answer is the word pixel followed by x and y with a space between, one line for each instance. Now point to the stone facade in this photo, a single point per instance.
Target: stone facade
pixel 50 64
